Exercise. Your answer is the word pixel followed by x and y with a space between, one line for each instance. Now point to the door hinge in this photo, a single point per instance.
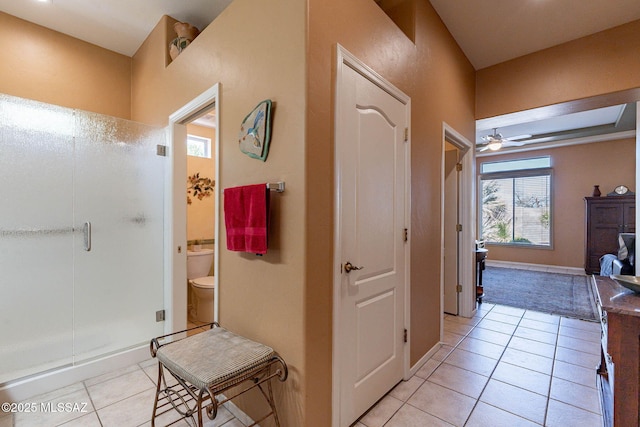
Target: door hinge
pixel 459 167
pixel 458 288
pixel 159 315
pixel 405 336
pixel 458 227
pixel 406 134
pixel 161 150
pixel 406 235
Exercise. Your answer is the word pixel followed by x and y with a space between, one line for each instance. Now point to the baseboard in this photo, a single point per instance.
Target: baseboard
pixel 26 388
pixel 536 267
pixel 415 368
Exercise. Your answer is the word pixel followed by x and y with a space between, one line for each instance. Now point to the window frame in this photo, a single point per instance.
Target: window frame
pixel 206 142
pixel 514 174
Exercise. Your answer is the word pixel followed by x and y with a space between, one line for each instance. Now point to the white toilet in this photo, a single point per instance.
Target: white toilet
pixel 198 267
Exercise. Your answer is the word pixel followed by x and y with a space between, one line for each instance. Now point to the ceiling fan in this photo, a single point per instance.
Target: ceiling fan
pixel 496 141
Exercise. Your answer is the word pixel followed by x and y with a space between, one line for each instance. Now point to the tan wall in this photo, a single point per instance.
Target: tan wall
pixel 596 65
pixel 256 51
pixel 201 213
pixel 48 66
pixel 284 299
pixel 576 169
pixel 440 82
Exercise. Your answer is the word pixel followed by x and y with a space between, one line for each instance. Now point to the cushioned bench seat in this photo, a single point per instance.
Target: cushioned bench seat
pixel 206 364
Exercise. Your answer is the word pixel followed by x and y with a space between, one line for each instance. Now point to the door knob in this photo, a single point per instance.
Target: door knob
pixel 348 267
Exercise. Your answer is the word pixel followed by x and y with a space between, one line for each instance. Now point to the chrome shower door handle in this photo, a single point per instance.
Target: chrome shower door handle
pixel 87 236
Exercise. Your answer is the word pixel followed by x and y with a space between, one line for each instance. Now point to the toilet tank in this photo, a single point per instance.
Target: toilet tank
pixel 199 263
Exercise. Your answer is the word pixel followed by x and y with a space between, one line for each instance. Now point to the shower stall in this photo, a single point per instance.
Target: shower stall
pixel 81 236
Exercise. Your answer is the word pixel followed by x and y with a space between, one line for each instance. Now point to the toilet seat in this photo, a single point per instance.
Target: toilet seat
pixel 206 282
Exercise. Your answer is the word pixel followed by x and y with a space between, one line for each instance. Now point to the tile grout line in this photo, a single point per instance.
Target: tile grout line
pixel 440 362
pixel 92 404
pixel 495 367
pixel 556 345
pixel 452 350
pixel 124 398
pixel 552 377
pixel 553 367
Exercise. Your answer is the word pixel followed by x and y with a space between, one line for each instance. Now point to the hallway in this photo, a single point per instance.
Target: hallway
pixel 504 367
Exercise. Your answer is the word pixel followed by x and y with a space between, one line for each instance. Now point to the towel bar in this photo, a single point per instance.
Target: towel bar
pixel 278 187
pixel 203 366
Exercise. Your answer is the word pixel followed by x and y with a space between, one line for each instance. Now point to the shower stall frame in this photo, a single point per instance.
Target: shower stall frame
pixel 174 259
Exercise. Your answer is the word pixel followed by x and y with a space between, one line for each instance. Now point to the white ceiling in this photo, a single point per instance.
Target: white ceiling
pixel 494 31
pixel 585 126
pixel 118 25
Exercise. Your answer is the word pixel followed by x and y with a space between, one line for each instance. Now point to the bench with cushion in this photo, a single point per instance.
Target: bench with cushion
pixel 194 372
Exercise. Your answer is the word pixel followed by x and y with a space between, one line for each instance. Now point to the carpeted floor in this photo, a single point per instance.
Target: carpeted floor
pixel 561 294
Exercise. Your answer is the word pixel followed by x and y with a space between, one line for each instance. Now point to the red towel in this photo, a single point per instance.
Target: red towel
pixel 246 216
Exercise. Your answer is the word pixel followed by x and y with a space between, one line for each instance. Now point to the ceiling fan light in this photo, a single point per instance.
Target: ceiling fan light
pixel 494 146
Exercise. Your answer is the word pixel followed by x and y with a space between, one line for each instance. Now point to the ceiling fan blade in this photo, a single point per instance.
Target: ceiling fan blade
pixel 517 137
pixel 509 143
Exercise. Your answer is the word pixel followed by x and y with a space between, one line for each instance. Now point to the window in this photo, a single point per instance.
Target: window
pixel 516 202
pixel 198 146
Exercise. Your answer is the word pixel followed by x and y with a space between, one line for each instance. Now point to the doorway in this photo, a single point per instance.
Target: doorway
pixel 201 213
pixel 458 224
pixel 452 228
pixel 176 237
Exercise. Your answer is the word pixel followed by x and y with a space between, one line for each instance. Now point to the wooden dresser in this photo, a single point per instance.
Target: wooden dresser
pixel 606 217
pixel 619 370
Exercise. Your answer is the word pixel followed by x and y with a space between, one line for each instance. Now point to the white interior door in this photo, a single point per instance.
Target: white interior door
pixel 467 219
pixel 371 155
pixel 451 233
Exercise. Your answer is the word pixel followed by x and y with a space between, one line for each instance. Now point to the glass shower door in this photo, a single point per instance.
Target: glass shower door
pixel 36 237
pixel 81 236
pixel 119 203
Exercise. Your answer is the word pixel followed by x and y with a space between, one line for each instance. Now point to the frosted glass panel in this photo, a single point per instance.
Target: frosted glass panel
pixel 59 303
pixel 36 238
pixel 119 190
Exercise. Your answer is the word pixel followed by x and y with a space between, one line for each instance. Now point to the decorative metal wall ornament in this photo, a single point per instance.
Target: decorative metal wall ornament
pixel 200 187
pixel 255 131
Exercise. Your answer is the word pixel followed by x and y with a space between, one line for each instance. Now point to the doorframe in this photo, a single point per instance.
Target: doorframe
pixel 446 195
pixel 467 207
pixel 345 59
pixel 175 283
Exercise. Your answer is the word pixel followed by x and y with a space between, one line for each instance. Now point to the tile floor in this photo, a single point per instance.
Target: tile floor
pixel 121 399
pixel 504 367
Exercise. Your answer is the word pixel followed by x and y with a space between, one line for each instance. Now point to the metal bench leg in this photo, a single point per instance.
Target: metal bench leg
pixel 199 407
pixel 155 403
pixel 212 408
pixel 272 403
